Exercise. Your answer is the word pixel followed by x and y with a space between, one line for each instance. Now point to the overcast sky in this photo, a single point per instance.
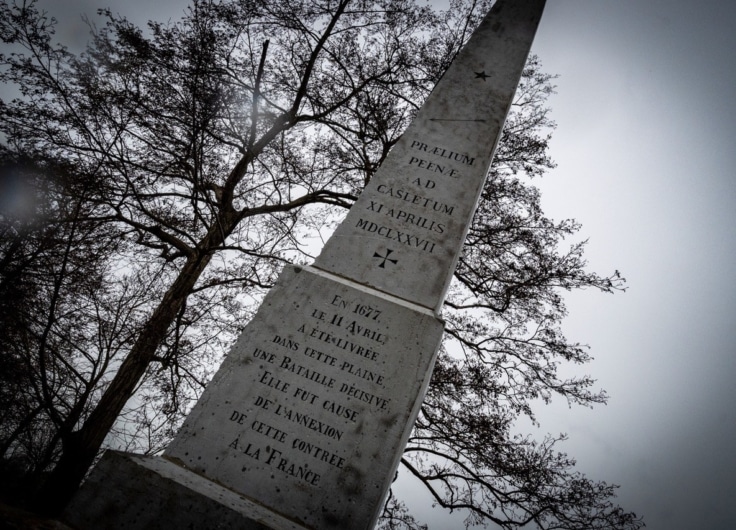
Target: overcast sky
pixel 645 152
pixel 645 146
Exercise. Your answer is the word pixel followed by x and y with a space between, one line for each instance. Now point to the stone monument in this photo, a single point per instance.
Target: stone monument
pixel 305 422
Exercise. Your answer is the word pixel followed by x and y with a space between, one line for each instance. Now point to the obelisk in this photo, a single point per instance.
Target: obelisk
pixel 305 422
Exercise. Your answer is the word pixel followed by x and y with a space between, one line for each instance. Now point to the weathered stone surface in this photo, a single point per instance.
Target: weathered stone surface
pixel 131 492
pixel 404 234
pixel 312 408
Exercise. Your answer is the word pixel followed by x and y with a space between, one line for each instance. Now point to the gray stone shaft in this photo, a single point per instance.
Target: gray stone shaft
pixel 415 212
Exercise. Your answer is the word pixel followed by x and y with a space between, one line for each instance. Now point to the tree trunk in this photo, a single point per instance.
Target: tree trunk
pixel 80 448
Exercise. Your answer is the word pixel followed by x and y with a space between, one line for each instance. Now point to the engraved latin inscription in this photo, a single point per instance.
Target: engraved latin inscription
pixel 413 215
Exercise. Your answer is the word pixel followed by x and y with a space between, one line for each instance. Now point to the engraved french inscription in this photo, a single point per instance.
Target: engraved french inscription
pixel 322 366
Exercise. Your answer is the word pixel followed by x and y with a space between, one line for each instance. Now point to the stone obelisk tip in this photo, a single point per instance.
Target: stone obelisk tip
pixel 404 234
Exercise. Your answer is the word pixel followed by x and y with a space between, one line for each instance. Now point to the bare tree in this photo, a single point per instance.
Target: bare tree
pixel 65 316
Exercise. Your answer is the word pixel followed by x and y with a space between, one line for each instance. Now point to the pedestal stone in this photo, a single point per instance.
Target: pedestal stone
pixel 131 492
pixel 313 405
pixel 305 422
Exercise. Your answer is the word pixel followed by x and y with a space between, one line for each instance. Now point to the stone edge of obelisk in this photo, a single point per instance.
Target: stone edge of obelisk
pixel 372 291
pixel 414 413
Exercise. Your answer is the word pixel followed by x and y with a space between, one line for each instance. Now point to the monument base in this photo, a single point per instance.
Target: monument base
pixel 127 491
pixel 307 415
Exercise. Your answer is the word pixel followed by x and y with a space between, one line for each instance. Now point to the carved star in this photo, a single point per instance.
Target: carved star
pixel 482 75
